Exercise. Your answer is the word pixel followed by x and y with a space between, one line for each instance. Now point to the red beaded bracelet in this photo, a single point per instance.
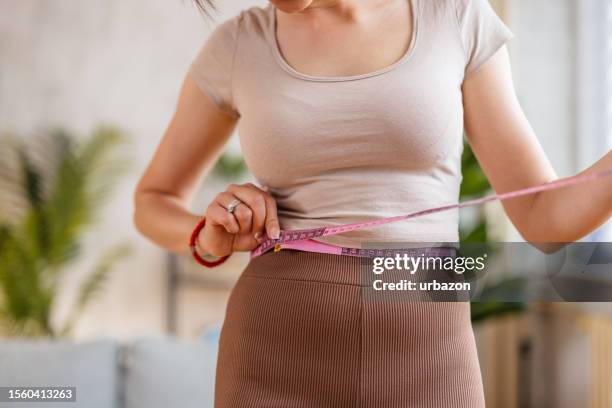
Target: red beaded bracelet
pixel 194 251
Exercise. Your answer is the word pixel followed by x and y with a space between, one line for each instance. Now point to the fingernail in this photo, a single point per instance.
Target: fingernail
pixel 275 233
pixel 257 235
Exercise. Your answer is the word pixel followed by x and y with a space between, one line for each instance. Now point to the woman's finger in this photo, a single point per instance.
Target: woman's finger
pixel 244 215
pixel 218 215
pixel 261 225
pixel 252 197
pixel 242 212
pixel 272 224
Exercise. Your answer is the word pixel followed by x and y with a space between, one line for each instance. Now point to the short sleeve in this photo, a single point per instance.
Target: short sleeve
pixel 482 31
pixel 213 67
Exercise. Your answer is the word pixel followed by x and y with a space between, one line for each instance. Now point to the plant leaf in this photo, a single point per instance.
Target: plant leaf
pixel 56 186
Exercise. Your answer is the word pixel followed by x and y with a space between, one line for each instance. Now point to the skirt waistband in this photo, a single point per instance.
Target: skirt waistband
pixel 290 264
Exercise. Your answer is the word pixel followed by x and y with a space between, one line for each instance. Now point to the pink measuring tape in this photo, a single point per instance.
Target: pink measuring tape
pixel 304 239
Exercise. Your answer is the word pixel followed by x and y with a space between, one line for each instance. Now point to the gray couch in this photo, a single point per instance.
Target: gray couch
pixel 147 373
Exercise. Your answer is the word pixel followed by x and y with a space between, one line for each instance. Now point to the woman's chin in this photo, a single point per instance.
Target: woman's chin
pixel 291 6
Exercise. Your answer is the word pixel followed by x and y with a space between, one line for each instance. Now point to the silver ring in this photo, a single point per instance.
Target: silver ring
pixel 232 206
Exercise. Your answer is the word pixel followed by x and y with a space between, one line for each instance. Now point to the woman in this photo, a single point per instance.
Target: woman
pixel 350 111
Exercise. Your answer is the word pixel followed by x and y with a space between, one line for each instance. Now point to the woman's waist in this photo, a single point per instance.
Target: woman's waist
pixel 371 250
pixel 354 268
pixel 432 229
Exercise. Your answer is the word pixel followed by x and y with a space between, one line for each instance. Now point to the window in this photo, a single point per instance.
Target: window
pixel 594 87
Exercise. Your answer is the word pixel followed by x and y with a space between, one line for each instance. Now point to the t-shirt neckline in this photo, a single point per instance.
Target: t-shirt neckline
pixel 272 39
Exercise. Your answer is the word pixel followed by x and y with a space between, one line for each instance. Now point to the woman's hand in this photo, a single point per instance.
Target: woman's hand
pixel 243 230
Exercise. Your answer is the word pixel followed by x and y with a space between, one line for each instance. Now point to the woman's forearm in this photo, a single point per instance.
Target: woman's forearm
pixel 165 220
pixel 512 158
pixel 568 214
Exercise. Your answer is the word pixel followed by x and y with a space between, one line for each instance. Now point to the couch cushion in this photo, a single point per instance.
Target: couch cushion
pixel 90 367
pixel 168 372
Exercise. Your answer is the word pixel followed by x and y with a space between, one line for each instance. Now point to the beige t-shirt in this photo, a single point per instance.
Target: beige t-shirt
pixel 336 150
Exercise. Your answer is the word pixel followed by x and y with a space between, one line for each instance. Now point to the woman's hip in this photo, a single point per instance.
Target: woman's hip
pixel 331 294
pixel 299 324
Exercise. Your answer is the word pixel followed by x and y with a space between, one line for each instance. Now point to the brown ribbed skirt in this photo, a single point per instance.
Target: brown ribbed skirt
pixel 298 332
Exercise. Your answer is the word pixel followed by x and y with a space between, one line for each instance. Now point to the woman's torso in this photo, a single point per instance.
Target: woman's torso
pixel 336 150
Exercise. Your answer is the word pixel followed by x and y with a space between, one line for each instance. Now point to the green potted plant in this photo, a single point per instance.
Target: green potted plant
pixel 50 192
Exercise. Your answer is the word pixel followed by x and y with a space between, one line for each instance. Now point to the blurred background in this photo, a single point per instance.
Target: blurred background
pixel 86 91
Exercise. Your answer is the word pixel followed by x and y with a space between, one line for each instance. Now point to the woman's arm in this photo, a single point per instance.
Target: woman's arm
pixel 512 158
pixel 189 148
